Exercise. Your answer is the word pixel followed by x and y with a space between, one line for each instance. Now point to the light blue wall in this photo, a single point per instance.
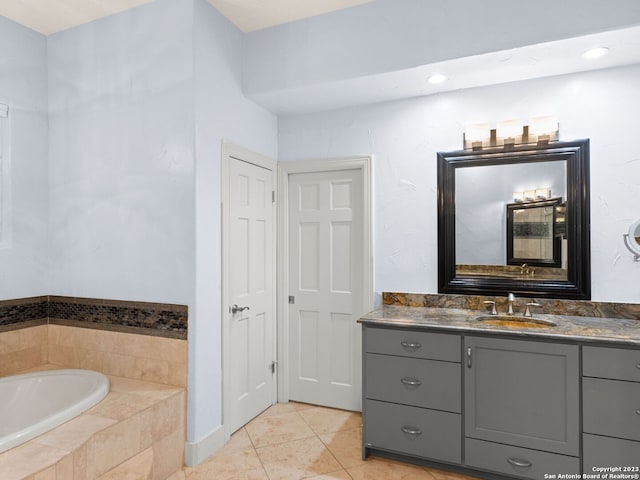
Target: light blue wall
pixel 404 137
pixel 121 160
pixel 222 113
pixel 391 35
pixel 23 86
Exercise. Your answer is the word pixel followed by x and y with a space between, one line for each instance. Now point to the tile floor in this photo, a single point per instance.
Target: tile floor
pixel 294 441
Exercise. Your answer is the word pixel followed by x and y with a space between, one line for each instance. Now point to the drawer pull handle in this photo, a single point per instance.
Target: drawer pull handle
pixel 517 462
pixel 413 431
pixel 411 382
pixel 638 366
pixel 411 345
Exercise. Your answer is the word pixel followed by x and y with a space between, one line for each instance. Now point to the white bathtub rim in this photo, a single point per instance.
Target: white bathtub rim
pixel 61 416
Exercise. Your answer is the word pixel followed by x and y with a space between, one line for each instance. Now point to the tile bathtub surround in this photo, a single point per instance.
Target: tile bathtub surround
pixel 139 357
pixel 159 319
pixel 137 431
pixel 147 318
pixel 581 308
pixel 22 349
pixel 23 311
pixel 294 441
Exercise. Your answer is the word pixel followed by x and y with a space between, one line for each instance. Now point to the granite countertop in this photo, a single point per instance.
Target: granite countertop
pixel 568 328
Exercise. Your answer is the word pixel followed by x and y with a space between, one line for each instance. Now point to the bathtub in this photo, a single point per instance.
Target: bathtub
pixel 34 403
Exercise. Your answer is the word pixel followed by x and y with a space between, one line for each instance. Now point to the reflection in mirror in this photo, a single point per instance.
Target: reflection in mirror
pixel 533 239
pixel 632 240
pixel 477 255
pixel 481 219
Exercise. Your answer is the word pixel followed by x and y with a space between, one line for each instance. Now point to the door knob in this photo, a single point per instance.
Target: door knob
pixel 235 308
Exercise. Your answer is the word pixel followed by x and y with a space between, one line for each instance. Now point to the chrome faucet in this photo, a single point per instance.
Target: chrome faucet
pixel 510 299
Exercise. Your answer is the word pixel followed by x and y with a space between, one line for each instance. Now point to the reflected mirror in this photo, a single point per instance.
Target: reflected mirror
pixel 532 237
pixel 632 240
pixel 490 244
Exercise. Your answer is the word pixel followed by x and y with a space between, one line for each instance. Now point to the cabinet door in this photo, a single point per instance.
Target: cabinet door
pixel 522 393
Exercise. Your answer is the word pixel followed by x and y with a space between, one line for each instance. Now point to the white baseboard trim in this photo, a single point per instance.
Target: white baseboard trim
pixel 197 452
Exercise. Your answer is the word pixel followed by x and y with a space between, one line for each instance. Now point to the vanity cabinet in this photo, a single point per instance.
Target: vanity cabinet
pixel 412 394
pixel 611 407
pixel 522 406
pixel 500 405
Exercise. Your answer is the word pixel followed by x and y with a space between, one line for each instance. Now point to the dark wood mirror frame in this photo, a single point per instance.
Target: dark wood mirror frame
pixel 578 283
pixel 556 259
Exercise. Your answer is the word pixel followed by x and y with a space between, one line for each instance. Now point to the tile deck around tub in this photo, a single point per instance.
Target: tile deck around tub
pixel 139 424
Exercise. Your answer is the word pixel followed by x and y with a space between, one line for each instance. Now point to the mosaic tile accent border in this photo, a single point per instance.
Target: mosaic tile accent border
pixel 13 313
pixel 159 319
pixel 580 308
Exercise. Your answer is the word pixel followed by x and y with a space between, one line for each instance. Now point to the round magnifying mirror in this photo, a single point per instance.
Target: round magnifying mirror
pixel 633 238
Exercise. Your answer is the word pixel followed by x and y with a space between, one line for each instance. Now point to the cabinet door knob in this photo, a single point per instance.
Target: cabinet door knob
pixel 411 382
pixel 638 412
pixel 518 462
pixel 638 366
pixel 411 345
pixel 413 431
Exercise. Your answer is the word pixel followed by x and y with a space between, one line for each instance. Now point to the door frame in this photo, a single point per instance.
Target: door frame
pixel 362 163
pixel 229 151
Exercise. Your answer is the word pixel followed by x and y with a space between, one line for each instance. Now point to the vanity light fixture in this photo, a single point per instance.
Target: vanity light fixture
pixel 540 131
pixel 595 53
pixel 437 78
pixel 532 195
pixel 543 193
pixel 510 132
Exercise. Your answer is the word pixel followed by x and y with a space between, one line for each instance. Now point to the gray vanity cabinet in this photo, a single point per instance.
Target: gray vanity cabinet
pixel 611 408
pixel 522 406
pixel 412 394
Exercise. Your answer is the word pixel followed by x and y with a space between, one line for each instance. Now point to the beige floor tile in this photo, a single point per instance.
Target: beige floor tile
pixel 327 420
pixel 346 446
pixel 240 464
pixel 276 429
pixel 238 441
pixel 301 406
pixel 382 469
pixel 444 475
pixel 278 409
pixel 178 476
pixel 298 459
pixel 339 475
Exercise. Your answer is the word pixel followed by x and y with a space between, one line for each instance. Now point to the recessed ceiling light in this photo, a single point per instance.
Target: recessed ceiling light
pixel 437 78
pixel 595 52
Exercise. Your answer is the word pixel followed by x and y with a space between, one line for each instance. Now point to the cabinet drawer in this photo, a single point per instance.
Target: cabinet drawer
pixel 413 381
pixel 616 363
pixel 611 407
pixel 520 462
pixel 413 431
pixel 411 343
pixel 609 452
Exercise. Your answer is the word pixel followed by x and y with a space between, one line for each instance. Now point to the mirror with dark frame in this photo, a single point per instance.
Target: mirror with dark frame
pixel 474 188
pixel 533 236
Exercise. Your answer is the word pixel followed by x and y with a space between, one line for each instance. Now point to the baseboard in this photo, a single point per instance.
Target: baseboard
pixel 197 452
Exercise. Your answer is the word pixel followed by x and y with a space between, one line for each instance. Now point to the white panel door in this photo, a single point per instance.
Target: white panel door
pixel 325 270
pixel 249 346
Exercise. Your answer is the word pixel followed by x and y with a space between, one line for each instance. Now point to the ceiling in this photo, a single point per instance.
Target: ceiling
pixel 51 16
pixel 251 15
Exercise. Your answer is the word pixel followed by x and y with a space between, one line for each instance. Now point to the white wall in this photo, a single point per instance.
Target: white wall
pixel 221 113
pixel 121 162
pixel 23 86
pixel 404 137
